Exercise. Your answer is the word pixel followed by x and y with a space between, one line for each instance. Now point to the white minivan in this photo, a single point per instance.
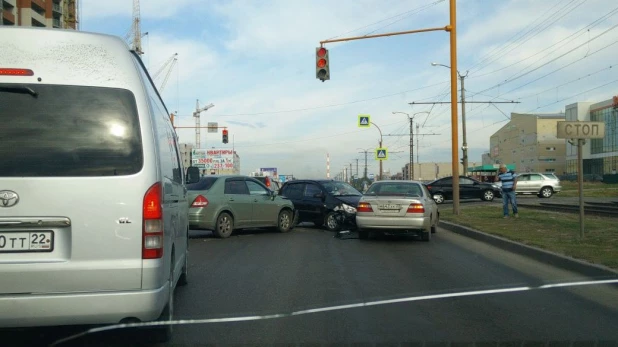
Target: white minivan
pixel 93 200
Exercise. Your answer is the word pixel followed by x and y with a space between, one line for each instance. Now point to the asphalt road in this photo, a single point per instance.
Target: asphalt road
pixel 263 273
pixel 308 271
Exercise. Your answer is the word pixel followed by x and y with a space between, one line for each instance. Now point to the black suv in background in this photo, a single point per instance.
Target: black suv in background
pixel 269 182
pixel 316 200
pixel 469 188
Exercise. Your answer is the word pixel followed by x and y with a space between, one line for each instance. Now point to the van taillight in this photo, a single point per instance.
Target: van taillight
pixel 268 182
pixel 15 72
pixel 152 224
pixel 416 208
pixel 200 201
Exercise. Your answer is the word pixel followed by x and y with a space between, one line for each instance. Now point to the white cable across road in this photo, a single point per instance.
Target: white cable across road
pixel 338 307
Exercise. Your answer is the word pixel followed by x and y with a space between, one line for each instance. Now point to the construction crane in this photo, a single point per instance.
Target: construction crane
pixel 167 75
pixel 169 64
pixel 196 114
pixel 134 35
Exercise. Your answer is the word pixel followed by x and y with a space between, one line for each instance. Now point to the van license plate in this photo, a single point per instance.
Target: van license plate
pixel 26 241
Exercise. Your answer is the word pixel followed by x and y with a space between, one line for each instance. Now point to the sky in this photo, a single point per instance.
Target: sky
pixel 255 61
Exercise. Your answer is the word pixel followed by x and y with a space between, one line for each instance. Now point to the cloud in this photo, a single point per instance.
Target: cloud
pixel 94 9
pixel 255 61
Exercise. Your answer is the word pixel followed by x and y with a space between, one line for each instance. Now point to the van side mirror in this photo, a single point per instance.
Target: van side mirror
pixel 193 175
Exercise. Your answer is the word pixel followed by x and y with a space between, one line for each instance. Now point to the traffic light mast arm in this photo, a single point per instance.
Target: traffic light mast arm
pixel 446 28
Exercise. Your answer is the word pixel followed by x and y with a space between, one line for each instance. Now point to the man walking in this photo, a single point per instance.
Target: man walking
pixel 509 184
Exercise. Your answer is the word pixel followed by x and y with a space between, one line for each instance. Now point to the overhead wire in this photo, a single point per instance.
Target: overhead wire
pixel 329 105
pixel 537 28
pixel 516 77
pixel 572 37
pixel 238 145
pixel 566 83
pixel 407 16
pixel 386 19
pixel 510 41
pixel 575 95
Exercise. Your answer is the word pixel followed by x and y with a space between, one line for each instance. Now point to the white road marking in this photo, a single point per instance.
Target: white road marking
pixel 339 307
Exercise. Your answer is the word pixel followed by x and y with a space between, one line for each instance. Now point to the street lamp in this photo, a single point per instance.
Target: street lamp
pixel 464 146
pixel 411 162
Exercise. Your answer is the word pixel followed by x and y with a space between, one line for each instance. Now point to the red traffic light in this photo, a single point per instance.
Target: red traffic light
pixel 321 62
pixel 224 131
pixel 322 52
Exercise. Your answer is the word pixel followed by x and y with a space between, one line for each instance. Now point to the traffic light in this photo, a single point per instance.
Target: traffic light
pixel 225 136
pixel 322 70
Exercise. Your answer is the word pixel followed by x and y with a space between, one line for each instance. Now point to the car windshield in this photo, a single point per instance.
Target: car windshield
pixel 395 189
pixel 204 184
pixel 340 188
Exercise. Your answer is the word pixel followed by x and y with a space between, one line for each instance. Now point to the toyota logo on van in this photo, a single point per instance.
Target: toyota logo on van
pixel 8 198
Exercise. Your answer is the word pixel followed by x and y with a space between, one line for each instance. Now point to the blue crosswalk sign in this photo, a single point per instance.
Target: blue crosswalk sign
pixel 364 121
pixel 381 154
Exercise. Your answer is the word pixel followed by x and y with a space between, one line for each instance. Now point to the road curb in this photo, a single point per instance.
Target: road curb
pixel 545 256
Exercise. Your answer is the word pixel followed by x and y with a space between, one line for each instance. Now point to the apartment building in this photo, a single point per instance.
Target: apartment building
pixel 600 156
pixel 529 142
pixel 40 13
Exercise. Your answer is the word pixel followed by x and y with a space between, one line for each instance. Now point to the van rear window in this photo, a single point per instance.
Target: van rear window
pixel 68 131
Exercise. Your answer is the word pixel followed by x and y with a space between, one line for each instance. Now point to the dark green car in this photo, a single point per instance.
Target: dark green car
pixel 225 203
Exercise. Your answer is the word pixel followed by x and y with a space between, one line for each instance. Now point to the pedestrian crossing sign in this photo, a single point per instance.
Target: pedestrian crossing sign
pixel 381 154
pixel 363 121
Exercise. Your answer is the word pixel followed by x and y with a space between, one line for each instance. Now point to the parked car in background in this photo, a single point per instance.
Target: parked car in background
pixel 469 188
pixel 269 182
pixel 397 206
pixel 316 201
pixel 544 185
pixel 229 202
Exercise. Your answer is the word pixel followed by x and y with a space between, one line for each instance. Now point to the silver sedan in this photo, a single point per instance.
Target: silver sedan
pixel 397 206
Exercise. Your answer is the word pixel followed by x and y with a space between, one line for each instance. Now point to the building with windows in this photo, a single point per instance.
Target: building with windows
pixel 185 154
pixel 600 156
pixel 40 13
pixel 529 142
pixel 430 171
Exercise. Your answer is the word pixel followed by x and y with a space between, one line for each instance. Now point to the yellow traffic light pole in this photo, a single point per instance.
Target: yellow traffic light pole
pixel 451 28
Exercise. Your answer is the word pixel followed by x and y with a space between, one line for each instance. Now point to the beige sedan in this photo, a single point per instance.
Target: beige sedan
pixel 397 207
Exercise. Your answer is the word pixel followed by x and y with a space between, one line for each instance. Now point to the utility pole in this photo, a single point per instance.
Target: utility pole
pixel 420 172
pixel 412 148
pixel 411 164
pixel 351 175
pixel 366 152
pixel 357 168
pixel 464 146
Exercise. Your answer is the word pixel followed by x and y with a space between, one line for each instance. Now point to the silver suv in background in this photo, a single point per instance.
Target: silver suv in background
pixel 544 185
